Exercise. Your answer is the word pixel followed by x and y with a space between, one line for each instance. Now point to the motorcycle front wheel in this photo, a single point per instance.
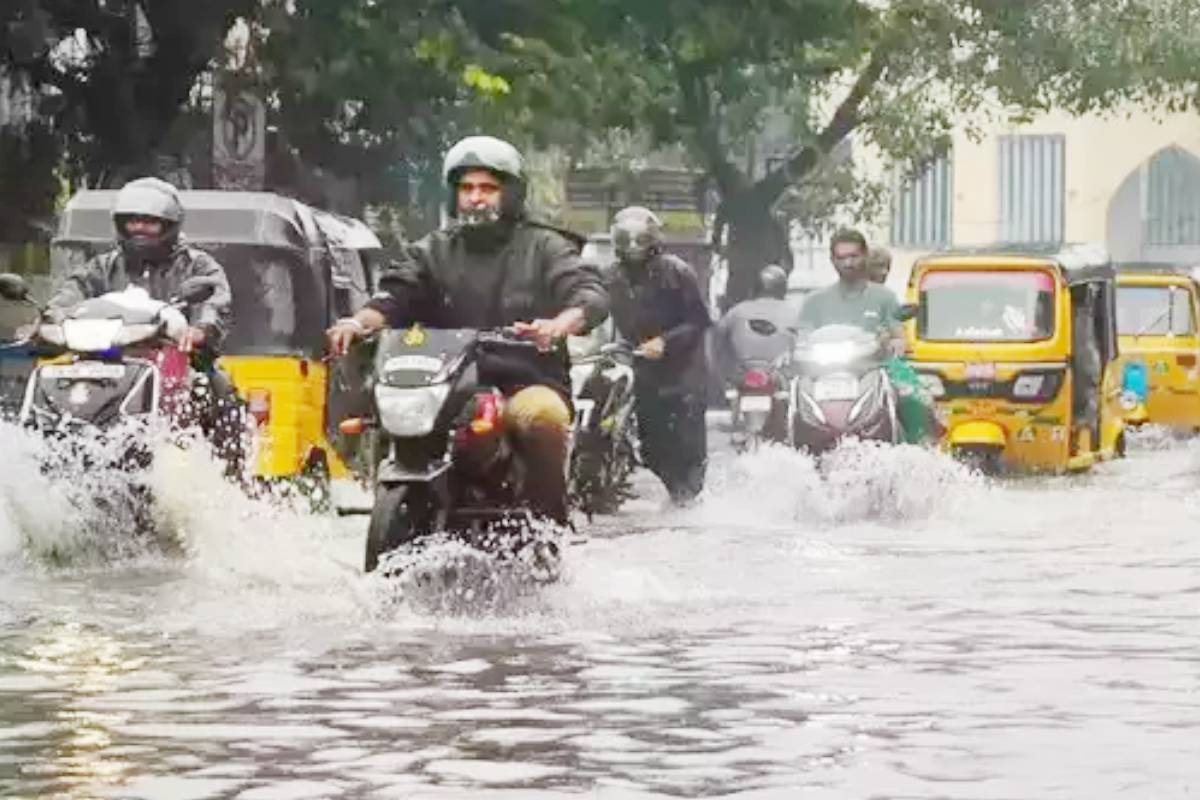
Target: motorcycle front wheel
pixel 400 515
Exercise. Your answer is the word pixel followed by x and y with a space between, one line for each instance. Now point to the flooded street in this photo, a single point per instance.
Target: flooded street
pixel 893 627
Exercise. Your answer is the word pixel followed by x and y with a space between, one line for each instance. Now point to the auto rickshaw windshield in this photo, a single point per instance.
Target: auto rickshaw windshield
pixel 986 306
pixel 1154 311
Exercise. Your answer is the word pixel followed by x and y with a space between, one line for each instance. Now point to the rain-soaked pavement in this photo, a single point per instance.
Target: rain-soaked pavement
pixel 892 628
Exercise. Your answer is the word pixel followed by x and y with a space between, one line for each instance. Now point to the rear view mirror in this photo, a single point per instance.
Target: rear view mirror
pixel 907 311
pixel 196 290
pixel 13 287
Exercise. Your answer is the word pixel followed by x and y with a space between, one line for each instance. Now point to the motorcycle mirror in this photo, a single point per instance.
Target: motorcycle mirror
pixel 195 290
pixel 907 311
pixel 13 287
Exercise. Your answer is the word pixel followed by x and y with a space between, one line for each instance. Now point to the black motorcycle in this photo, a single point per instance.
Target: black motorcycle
pixel 605 450
pixel 448 464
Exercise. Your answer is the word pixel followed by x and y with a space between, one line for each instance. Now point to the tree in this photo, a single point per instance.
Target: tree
pixel 898 75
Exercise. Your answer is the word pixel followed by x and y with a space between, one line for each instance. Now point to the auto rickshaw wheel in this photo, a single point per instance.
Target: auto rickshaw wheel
pixel 986 459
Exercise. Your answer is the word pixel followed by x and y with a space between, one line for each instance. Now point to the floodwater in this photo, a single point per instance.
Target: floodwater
pixel 891 627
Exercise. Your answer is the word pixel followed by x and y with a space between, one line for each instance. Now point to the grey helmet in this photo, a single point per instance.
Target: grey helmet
pixel 636 234
pixel 494 155
pixel 148 197
pixel 773 282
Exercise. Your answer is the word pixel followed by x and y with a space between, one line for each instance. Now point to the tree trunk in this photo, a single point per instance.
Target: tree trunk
pixel 756 239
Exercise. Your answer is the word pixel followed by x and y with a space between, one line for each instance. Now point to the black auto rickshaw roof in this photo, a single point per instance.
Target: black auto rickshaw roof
pixel 1078 262
pixel 217 217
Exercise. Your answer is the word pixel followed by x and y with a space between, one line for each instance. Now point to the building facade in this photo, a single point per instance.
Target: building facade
pixel 1129 180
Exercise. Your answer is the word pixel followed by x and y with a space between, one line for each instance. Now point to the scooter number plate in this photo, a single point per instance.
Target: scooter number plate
pixel 755 403
pixel 86 372
pixel 835 389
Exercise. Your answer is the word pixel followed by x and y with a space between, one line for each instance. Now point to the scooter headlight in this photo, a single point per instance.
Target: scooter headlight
pixel 410 412
pixel 90 335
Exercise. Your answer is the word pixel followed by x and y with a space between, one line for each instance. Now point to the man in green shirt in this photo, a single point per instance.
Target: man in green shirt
pixel 857 299
pixel 854 299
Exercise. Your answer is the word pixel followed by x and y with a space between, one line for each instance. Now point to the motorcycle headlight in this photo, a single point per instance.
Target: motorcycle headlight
pixel 131 334
pixel 410 412
pixel 90 335
pixel 52 333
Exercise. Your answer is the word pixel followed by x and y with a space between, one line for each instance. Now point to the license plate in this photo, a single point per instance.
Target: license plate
pixel 84 371
pixel 835 389
pixel 755 403
pixel 981 371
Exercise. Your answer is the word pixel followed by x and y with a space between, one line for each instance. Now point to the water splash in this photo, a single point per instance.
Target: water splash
pixel 859 481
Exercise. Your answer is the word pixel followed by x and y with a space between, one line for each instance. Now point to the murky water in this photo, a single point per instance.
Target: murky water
pixel 889 628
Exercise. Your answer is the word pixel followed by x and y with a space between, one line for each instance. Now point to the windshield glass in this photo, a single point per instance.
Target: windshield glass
pixel 1154 311
pixel 985 306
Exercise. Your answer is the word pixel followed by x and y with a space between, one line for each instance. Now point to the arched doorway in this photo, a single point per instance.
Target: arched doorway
pixel 1154 217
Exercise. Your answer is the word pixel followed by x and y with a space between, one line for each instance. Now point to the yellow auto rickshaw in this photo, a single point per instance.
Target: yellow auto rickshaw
pixel 1157 309
pixel 1019 348
pixel 291 276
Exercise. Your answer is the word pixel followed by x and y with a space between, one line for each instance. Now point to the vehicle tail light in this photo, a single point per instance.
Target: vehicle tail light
pixel 258 403
pixel 1186 360
pixel 488 409
pixel 756 379
pixel 353 426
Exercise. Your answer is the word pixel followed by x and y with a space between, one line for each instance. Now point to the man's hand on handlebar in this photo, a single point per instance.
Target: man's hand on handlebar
pixel 346 331
pixel 545 332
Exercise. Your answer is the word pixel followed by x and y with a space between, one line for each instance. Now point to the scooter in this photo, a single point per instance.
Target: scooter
pixel 605 441
pixel 840 389
pixel 448 464
pixel 113 370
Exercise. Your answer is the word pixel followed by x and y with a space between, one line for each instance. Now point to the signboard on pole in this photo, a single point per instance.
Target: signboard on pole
pixel 239 140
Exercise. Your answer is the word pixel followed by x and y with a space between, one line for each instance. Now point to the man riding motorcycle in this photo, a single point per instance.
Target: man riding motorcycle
pixel 658 307
pixel 860 299
pixel 735 342
pixel 494 267
pixel 151 253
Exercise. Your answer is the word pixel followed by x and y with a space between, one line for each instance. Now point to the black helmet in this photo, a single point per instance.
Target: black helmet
pixel 154 198
pixel 494 155
pixel 773 282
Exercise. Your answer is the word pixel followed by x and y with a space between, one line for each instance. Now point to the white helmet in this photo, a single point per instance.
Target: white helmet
pixel 636 234
pixel 148 197
pixel 494 155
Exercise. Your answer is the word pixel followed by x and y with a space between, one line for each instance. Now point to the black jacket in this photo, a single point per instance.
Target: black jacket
pixel 663 299
pixel 531 272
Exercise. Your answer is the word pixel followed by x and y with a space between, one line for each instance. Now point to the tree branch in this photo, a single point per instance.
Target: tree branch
pixel 845 119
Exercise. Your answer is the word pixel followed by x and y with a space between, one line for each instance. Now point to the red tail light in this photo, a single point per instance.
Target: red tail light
pixel 488 409
pixel 258 403
pixel 756 379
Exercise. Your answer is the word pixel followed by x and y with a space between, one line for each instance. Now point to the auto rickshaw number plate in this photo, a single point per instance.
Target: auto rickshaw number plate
pixel 87 370
pixel 980 371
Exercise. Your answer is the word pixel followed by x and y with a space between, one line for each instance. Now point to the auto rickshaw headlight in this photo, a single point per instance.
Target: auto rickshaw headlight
pixel 1037 386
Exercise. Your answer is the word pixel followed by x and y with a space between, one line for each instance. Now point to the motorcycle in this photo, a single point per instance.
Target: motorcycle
pixel 448 464
pixel 840 389
pixel 605 448
pixel 760 406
